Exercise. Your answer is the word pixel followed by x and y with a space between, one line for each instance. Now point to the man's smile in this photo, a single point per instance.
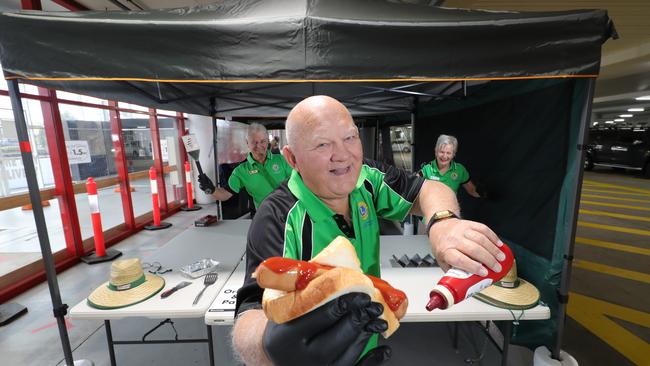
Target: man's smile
pixel 341 171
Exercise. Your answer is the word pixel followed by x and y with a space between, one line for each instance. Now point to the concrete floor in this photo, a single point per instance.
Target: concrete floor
pixel 608 322
pixel 608 319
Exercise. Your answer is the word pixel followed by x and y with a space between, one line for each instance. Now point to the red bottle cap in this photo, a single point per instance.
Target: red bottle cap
pixel 436 301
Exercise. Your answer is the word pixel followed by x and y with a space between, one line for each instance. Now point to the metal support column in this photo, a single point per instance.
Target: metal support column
pixel 215 147
pixel 122 165
pixel 60 309
pixel 61 171
pixel 157 159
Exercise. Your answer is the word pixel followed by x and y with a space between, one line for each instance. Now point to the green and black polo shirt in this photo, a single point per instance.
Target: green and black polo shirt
pixel 259 179
pixel 292 222
pixel 453 178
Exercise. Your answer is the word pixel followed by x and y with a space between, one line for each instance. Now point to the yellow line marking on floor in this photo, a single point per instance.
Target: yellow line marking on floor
pixel 593 314
pixel 613 246
pixel 596 203
pixel 612 271
pixel 616 215
pixel 614 198
pixel 615 192
pixel 618 186
pixel 614 228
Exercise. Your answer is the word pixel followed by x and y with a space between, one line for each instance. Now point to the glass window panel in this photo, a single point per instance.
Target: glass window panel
pixel 87 134
pixel 19 242
pixel 169 147
pixel 28 88
pixel 231 141
pixel 12 171
pixel 79 98
pixel 139 158
pixel 166 112
pixel 400 139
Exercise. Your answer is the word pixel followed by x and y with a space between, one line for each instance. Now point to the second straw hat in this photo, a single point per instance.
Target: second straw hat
pixel 511 292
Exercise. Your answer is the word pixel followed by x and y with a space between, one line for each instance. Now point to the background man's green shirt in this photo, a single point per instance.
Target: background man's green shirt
pixel 293 222
pixel 454 177
pixel 259 179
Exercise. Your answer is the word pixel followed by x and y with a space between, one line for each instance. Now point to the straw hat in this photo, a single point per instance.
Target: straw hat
pixel 511 292
pixel 128 285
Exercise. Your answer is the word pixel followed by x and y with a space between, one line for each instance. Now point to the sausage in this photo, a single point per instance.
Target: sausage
pixel 288 275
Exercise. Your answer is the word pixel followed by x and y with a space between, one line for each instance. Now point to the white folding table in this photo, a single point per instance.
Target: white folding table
pixel 224 242
pixel 415 282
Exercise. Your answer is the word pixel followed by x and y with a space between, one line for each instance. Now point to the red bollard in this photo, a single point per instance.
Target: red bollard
pixel 100 254
pixel 157 225
pixel 93 202
pixel 188 183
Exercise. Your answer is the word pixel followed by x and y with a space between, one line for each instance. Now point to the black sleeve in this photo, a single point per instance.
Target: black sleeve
pixel 265 240
pixel 406 184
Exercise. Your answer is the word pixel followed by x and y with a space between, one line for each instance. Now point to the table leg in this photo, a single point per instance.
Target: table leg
pixel 109 338
pixel 210 345
pixel 506 343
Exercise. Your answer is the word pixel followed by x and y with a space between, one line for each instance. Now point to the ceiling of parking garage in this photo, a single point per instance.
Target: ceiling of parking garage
pixel 625 67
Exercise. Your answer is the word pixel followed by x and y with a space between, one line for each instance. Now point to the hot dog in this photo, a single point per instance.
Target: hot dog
pixel 295 287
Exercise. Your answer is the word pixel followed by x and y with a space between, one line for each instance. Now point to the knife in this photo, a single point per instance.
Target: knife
pixel 174 289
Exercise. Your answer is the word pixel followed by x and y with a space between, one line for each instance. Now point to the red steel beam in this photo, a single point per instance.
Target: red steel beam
pixel 122 165
pixel 61 171
pixel 31 4
pixel 157 159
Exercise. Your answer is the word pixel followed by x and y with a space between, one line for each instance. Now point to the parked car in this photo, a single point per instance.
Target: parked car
pixel 626 148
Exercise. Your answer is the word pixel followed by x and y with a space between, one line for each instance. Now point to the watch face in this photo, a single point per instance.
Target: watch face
pixel 443 214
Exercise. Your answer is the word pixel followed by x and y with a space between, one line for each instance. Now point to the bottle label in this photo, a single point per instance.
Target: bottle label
pixel 457 273
pixel 486 282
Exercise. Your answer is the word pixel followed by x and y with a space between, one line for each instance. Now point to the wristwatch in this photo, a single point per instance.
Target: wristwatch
pixel 439 216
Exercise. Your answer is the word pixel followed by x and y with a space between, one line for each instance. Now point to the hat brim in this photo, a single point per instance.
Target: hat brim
pixel 524 296
pixel 105 298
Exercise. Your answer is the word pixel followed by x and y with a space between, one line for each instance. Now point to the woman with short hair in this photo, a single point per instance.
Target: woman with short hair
pixel 444 169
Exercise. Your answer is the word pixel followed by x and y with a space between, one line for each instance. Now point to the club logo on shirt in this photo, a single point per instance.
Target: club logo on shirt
pixel 252 171
pixel 276 167
pixel 363 210
pixel 454 175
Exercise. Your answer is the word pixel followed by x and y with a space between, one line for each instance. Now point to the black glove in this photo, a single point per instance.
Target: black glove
pixel 333 334
pixel 205 184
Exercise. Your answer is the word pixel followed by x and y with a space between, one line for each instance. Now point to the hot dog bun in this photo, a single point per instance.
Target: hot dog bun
pixel 346 277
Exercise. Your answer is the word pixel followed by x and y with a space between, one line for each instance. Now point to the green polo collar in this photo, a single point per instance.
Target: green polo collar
pixel 316 209
pixel 252 160
pixel 434 165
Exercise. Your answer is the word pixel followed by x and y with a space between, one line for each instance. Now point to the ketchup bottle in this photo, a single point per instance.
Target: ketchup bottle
pixel 457 285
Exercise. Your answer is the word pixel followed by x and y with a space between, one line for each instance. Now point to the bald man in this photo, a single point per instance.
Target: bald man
pixel 334 191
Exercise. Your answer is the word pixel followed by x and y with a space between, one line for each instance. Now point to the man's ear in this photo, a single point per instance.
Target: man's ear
pixel 289 157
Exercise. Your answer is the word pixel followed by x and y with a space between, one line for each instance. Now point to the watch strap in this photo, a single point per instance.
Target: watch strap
pixel 435 218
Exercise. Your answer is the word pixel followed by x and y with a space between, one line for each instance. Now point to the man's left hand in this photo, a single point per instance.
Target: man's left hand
pixel 467 245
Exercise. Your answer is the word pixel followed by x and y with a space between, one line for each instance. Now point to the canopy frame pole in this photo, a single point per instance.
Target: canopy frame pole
pixel 215 147
pixel 563 292
pixel 59 309
pixel 414 115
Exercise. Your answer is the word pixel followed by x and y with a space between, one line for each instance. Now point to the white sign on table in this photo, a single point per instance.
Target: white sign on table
pixel 78 152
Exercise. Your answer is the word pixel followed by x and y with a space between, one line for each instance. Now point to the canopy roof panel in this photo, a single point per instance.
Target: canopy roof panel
pixel 168 54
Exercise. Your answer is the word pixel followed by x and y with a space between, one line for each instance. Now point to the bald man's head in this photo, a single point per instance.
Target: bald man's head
pixel 311 111
pixel 324 146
